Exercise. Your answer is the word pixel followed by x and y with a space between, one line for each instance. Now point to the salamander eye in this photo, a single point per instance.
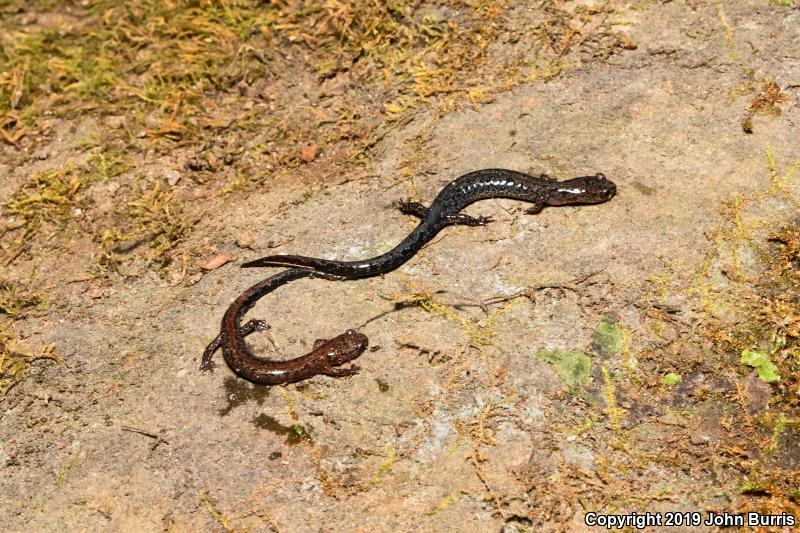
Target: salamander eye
pixel 600 176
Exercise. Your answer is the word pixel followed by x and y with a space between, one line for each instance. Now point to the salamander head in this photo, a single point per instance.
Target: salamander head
pixel 345 347
pixel 583 190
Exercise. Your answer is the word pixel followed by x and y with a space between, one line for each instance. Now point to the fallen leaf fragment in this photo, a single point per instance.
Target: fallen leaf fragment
pixel 309 153
pixel 216 262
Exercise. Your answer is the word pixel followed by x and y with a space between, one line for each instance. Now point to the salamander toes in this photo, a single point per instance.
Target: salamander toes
pixel 318 343
pixel 207 366
pixel 352 370
pixel 339 372
pixel 259 325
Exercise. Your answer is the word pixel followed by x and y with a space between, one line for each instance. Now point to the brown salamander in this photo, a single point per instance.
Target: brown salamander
pixel 326 357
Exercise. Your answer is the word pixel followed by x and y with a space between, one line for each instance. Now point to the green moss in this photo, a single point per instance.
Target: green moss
pixel 761 328
pixel 53 197
pixel 759 360
pixel 782 422
pixel 175 49
pixel 572 367
pixel 615 413
pixel 609 338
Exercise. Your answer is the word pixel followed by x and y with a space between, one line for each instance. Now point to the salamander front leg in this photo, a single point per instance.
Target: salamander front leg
pixel 318 343
pixel 459 219
pixel 340 372
pixel 536 209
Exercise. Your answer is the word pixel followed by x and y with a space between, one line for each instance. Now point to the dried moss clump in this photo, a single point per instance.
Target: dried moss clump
pixel 154 218
pixel 16 359
pixel 49 200
pixel 15 300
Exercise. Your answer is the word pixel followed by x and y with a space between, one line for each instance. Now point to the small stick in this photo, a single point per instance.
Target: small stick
pixel 570 286
pixel 158 436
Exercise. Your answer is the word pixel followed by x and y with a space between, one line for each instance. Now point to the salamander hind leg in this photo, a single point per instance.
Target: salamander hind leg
pixel 412 208
pixel 536 209
pixel 252 326
pixel 206 363
pixel 460 219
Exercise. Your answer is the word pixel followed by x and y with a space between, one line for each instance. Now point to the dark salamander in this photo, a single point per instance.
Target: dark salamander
pixel 326 357
pixel 445 211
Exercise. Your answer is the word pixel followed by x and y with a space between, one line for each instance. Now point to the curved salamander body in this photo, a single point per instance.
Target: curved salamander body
pixel 326 357
pixel 445 211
